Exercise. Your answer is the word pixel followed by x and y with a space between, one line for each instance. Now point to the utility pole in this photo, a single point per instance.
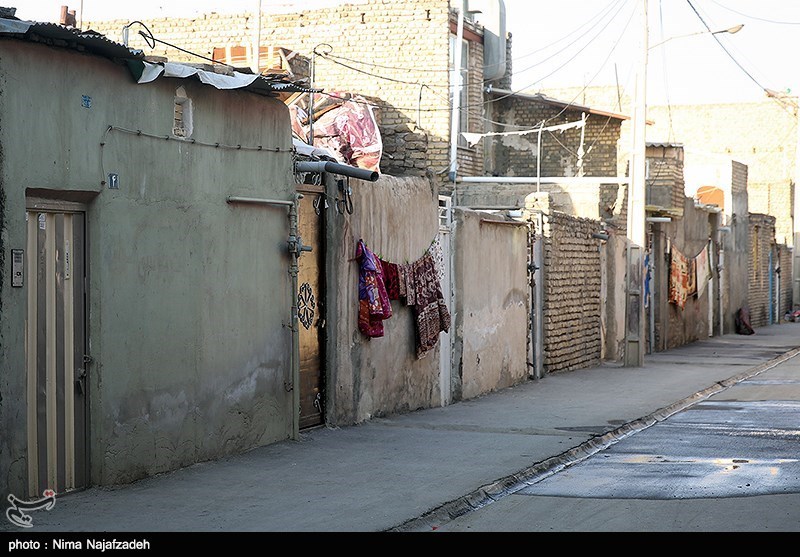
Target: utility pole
pixel 634 296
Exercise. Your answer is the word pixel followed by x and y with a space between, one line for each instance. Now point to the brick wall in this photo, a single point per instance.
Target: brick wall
pixel 665 183
pixel 762 135
pixel 515 155
pixel 572 303
pixel 397 51
pixel 785 258
pixel 762 236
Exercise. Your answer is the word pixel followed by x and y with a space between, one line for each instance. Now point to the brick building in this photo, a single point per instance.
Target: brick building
pixel 395 53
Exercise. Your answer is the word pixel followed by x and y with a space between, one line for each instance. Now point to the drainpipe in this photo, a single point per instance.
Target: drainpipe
pixel 296 248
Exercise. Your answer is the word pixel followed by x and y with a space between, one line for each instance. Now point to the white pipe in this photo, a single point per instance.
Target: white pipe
pixel 454 118
pixel 539 159
pixel 259 201
pixel 544 180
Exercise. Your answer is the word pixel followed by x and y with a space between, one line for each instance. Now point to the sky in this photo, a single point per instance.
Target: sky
pixel 567 43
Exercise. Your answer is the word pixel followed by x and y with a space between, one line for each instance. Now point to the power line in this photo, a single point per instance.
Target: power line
pixel 602 15
pixel 622 5
pixel 756 18
pixel 735 61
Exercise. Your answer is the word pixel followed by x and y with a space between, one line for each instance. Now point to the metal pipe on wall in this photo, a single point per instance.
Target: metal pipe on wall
pixel 336 168
pixel 295 248
pixel 455 116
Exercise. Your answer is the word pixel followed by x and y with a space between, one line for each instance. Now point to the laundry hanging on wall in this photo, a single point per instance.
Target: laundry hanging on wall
pixel 679 280
pixel 688 276
pixel 373 300
pixel 416 284
pixel 703 271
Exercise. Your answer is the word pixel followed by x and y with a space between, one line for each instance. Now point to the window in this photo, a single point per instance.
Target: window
pixel 182 115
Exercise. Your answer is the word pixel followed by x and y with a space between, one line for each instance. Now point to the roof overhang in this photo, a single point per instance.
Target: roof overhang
pixel 542 99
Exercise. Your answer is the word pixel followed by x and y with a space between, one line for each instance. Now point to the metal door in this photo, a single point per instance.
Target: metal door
pixel 56 351
pixel 309 310
pixel 445 268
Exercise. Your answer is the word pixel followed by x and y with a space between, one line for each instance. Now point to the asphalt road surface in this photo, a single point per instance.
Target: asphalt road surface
pixel 730 463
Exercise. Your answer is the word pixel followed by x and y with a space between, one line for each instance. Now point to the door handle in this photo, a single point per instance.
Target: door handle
pixel 80 381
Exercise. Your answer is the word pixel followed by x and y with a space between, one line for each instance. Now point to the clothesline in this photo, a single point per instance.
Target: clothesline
pixel 687 275
pixel 416 284
pixel 473 138
pixel 427 250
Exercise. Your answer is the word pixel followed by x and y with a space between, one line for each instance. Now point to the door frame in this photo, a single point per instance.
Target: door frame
pixel 36 204
pixel 322 298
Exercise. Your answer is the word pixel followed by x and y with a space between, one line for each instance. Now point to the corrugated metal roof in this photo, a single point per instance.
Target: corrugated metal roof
pixel 96 43
pixel 66 37
pixel 657 144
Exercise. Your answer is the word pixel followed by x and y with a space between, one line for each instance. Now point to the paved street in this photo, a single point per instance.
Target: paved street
pixel 414 472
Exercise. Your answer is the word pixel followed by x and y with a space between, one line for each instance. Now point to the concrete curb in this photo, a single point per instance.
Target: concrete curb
pixel 508 485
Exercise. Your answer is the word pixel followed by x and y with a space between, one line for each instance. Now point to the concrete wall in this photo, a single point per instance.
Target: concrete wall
pixel 735 244
pixel 594 201
pixel 675 326
pixel 492 305
pixel 613 265
pixel 392 47
pixel 188 295
pixel 761 263
pixel 398 219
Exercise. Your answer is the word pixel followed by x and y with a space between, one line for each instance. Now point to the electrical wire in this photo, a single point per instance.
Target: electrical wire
pixel 756 18
pixel 602 15
pixel 194 141
pixel 735 61
pixel 594 38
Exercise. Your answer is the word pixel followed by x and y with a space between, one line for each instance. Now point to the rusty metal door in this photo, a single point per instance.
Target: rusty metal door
pixel 56 351
pixel 310 309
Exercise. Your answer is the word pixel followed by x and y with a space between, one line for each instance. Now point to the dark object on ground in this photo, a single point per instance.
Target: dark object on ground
pixel 743 326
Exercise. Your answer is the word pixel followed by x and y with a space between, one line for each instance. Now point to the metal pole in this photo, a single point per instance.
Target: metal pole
pixel 295 247
pixel 634 307
pixel 539 159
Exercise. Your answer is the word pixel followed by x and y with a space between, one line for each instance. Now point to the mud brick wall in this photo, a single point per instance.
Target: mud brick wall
pixel 396 51
pixel 515 155
pixel 665 183
pixel 762 240
pixel 572 304
pixel 785 257
pixel 762 135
